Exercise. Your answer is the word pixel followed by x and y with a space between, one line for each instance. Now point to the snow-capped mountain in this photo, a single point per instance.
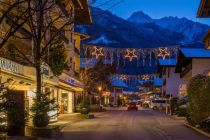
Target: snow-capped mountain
pixel 192 31
pixel 141 31
pixel 140 17
pixel 113 31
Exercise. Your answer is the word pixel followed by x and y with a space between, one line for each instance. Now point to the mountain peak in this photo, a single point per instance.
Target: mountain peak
pixel 139 17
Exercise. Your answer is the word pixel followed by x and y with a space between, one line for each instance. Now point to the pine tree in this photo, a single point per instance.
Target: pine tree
pixel 40 109
pixel 3 107
pixel 56 58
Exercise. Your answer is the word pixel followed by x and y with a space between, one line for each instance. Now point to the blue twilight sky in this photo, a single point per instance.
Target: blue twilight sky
pixel 154 8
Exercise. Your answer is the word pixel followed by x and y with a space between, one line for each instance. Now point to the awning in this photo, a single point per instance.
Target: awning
pixel 66 86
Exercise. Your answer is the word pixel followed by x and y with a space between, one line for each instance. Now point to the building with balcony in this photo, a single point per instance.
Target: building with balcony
pixel 204 9
pixel 190 63
pixel 23 73
pixel 171 80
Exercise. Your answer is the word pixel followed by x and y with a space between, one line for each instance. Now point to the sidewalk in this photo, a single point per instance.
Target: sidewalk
pixel 66 119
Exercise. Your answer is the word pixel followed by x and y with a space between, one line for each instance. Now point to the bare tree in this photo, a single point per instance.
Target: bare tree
pixel 37 22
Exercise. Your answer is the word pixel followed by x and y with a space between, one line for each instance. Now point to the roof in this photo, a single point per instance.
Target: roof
pixel 82 36
pixel 158 82
pixel 140 82
pixel 117 82
pixel 83 15
pixel 88 63
pixel 207 36
pixel 77 4
pixel 167 62
pixel 195 53
pixel 204 9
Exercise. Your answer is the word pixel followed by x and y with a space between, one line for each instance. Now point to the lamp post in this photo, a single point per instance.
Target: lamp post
pixel 100 89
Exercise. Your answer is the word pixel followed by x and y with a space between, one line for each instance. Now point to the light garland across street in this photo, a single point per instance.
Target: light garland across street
pixel 131 54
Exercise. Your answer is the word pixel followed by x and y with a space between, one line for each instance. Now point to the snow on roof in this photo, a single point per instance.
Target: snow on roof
pixel 91 62
pixel 140 82
pixel 117 82
pixel 167 62
pixel 101 38
pixel 195 53
pixel 158 82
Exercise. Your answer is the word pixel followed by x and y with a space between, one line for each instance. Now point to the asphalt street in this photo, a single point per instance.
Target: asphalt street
pixel 130 125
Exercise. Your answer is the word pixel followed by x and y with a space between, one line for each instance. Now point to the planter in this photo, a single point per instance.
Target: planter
pixel 91 116
pixel 46 132
pixel 95 108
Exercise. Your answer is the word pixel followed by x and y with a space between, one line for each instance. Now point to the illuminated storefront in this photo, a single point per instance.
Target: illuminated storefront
pixel 19 84
pixel 23 85
pixel 68 86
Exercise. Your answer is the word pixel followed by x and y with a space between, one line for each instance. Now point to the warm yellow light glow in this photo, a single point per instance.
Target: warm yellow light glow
pixel 20 87
pixel 163 52
pixel 131 54
pixel 99 88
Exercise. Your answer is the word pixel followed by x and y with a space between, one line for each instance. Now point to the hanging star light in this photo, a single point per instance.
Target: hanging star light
pixel 97 52
pixel 131 54
pixel 146 77
pixel 163 52
pixel 123 77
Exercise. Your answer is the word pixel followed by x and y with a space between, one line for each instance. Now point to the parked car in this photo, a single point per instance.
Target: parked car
pixel 132 106
pixel 159 104
pixel 146 104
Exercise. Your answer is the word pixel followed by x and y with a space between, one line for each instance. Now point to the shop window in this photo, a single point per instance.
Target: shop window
pixel 64 103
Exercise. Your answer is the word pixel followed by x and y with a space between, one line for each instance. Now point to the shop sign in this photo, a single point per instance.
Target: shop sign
pixel 9 65
pixel 73 82
pixel 106 94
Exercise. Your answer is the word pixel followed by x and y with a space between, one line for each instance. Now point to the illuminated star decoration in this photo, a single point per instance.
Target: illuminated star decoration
pixel 97 52
pixel 146 77
pixel 131 54
pixel 123 77
pixel 163 52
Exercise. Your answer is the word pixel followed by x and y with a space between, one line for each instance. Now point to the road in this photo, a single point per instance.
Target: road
pixel 130 125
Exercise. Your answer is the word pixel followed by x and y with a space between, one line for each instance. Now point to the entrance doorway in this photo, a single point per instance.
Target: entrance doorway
pixel 64 103
pixel 17 112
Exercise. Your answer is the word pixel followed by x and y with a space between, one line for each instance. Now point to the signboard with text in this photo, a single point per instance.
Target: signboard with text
pixel 11 66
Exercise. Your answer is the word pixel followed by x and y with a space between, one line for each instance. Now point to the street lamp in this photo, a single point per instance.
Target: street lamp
pixel 100 89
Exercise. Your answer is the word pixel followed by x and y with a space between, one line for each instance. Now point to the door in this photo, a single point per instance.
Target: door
pixel 16 114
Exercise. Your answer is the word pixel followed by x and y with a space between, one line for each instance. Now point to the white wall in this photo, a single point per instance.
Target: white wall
pixel 172 82
pixel 200 66
pixel 71 102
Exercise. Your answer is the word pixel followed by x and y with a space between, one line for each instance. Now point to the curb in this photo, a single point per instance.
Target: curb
pixel 177 118
pixel 198 130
